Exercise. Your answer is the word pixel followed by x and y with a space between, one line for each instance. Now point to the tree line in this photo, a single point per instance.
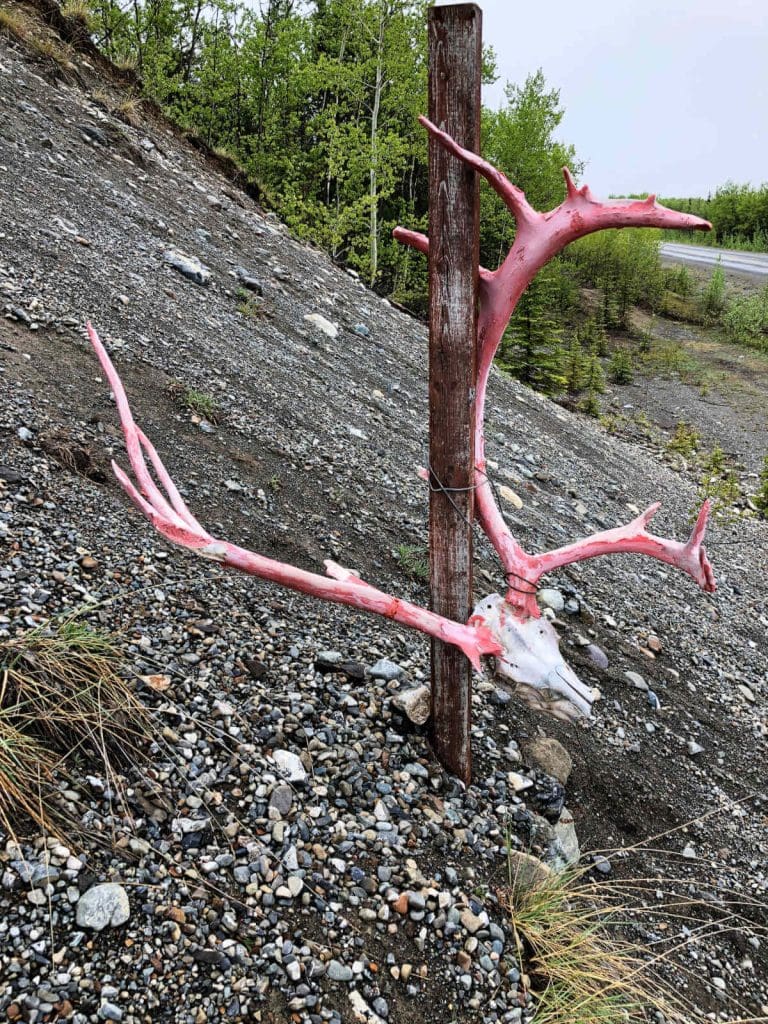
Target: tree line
pixel 738 214
pixel 318 100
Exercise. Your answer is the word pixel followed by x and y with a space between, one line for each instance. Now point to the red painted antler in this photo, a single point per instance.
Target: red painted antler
pixel 171 517
pixel 538 238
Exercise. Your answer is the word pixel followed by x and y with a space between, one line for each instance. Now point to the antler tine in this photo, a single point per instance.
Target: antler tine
pixel 513 197
pixel 133 442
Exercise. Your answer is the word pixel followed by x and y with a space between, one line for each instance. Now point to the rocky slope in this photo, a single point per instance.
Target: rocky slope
pixel 366 885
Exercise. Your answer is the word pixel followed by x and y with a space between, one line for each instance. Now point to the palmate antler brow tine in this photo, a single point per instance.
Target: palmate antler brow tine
pixel 171 518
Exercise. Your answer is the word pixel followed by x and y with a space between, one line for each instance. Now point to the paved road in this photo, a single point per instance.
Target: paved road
pixel 754 263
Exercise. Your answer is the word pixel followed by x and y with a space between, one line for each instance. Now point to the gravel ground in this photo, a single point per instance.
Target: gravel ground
pixel 294 851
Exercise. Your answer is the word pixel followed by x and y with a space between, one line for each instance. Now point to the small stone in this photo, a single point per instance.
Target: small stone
pixel 551 756
pixel 338 971
pixel 689 852
pixel 415 703
pixel 102 906
pixel 247 280
pixel 747 694
pixel 281 800
pixel 293 970
pixel 551 598
pixel 319 321
pixel 509 496
pixel 289 765
pixel 108 1011
pixel 519 782
pixel 473 922
pixel 527 872
pixel 386 670
pixel 188 266
pixel 694 748
pixel 636 680
pixel 362 1011
pixel 597 656
pixel 361 330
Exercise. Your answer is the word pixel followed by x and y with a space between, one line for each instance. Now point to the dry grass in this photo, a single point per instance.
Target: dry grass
pixel 578 961
pixel 78 10
pixel 13 25
pixel 129 111
pixel 38 41
pixel 62 700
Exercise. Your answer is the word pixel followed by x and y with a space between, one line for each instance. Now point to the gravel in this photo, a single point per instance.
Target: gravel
pixel 295 851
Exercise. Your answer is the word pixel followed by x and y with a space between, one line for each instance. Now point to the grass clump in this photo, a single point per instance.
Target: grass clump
pixel 202 404
pixel 77 10
pixel 61 700
pixel 12 25
pixel 576 958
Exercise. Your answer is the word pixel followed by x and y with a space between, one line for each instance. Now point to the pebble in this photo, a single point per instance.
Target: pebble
pixel 289 765
pixel 104 905
pixel 386 670
pixel 188 266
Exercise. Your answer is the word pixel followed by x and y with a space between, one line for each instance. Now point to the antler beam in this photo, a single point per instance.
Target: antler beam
pixel 170 517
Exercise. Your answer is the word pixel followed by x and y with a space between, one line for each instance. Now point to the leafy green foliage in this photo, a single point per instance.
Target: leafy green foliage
pixel 713 299
pixel 685 441
pixel 414 560
pixel 739 216
pixel 625 266
pixel 745 320
pixel 519 138
pixel 719 483
pixel 760 500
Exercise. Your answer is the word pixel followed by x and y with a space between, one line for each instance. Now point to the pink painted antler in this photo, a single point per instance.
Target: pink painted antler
pixel 171 517
pixel 538 238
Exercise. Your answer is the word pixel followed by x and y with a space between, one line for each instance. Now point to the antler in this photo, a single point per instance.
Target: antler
pixel 538 238
pixel 171 517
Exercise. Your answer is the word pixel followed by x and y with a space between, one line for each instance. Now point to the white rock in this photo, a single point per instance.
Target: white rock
pixel 415 703
pixel 319 321
pixel 636 680
pixel 289 765
pixel 362 1011
pixel 551 598
pixel 102 906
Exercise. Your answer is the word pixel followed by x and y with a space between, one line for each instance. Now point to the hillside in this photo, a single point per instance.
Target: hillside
pixel 289 903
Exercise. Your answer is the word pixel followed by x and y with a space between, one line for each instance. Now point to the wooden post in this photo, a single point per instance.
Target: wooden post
pixel 455 54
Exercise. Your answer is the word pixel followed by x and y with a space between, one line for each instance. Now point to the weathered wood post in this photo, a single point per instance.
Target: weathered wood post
pixel 455 55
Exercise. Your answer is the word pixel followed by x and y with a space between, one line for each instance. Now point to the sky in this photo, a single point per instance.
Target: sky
pixel 666 96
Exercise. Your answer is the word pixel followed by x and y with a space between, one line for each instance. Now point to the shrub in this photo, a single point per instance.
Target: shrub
pixel 685 440
pixel 746 320
pixel 620 367
pixel 713 299
pixel 760 500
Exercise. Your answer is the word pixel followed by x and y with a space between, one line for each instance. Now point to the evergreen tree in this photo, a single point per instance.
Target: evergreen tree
pixel 531 348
